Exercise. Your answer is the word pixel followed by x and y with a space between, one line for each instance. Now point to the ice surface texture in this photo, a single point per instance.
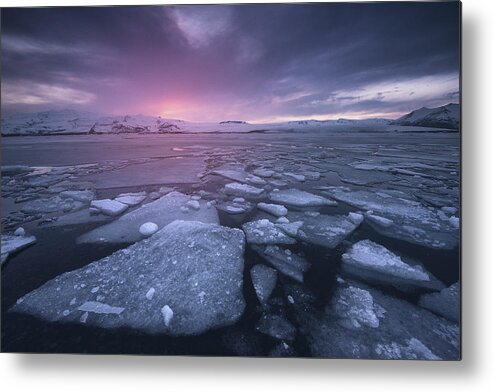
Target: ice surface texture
pixel 15 243
pixel 295 197
pixel 194 268
pixel 405 219
pixel 374 263
pixel 446 303
pixel 362 322
pixel 162 211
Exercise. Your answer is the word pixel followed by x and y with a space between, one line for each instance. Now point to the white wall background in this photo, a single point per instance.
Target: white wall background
pixel 144 374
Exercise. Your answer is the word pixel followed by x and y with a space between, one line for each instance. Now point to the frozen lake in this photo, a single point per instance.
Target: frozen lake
pixel 391 197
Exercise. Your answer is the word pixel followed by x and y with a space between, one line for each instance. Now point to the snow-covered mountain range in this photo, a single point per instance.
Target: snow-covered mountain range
pixel 78 122
pixel 447 116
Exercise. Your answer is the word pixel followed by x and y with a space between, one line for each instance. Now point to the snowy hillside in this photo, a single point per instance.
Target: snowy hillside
pixel 442 117
pixel 71 121
pixel 78 122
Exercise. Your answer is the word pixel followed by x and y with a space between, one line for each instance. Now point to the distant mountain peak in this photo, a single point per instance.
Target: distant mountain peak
pixel 446 116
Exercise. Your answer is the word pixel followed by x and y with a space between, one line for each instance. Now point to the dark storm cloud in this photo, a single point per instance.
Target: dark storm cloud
pixel 249 62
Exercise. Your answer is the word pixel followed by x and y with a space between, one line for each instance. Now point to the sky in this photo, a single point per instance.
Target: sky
pixel 257 63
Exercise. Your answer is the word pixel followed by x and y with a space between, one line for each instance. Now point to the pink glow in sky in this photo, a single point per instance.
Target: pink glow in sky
pixel 258 63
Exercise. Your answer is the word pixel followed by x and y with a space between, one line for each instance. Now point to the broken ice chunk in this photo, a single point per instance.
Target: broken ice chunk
pixel 131 199
pixel 325 230
pixel 294 176
pixel 299 198
pixel 193 204
pixel 162 211
pixel 245 190
pixel 446 303
pixel 150 293
pixel 354 307
pixel 211 269
pixel 82 196
pixel 264 172
pixel 109 207
pixel 273 209
pixel 11 244
pixel 167 313
pixel 264 281
pixel 283 260
pixel 265 232
pixel 147 229
pixel 373 263
pixel 20 232
pixel 277 327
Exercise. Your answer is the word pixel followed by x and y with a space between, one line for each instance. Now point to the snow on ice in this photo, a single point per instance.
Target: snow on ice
pixel 196 270
pixel 298 198
pixel 161 211
pixel 264 281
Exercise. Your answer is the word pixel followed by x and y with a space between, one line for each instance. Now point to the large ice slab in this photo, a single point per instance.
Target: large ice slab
pixel 362 322
pixel 162 211
pixel 371 262
pixel 297 198
pixel 446 303
pixel 195 270
pixel 405 219
pixel 325 230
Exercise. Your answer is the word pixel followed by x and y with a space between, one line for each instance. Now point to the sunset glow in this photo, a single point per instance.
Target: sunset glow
pixel 214 63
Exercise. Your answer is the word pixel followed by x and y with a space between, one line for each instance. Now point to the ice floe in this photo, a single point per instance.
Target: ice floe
pixel 196 270
pixel 161 211
pixel 244 190
pixel 446 303
pixel 403 218
pixel 324 230
pixel 264 281
pixel 265 232
pixel 297 198
pixel 371 262
pixel 109 207
pixel 12 244
pixel 362 322
pixel 277 327
pixel 131 199
pixel 273 209
pixel 52 204
pixel 84 196
pixel 264 172
pixel 283 260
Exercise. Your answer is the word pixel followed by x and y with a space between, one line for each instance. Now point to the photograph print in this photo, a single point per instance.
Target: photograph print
pixel 254 180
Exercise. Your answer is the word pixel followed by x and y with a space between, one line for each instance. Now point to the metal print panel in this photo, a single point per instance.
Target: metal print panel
pixel 268 180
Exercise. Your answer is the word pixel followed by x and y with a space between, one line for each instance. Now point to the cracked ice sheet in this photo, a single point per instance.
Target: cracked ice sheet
pixel 175 170
pixel 370 262
pixel 410 220
pixel 324 230
pixel 195 269
pixel 362 322
pixel 161 211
